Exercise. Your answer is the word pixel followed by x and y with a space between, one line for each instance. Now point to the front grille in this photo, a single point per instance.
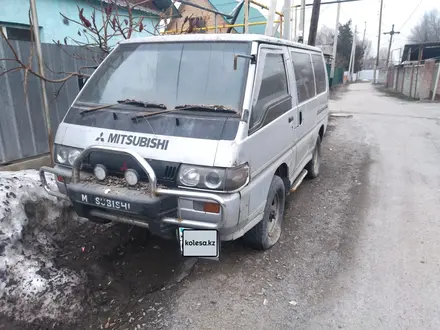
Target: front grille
pixel 170 172
pixel 116 165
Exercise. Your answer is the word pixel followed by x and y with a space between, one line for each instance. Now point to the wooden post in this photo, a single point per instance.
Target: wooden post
pixel 246 16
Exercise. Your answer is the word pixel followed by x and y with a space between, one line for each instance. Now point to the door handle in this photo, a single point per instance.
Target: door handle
pixel 300 117
pixel 290 119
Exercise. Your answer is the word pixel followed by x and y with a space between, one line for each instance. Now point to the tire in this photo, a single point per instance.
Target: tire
pixel 267 232
pixel 314 165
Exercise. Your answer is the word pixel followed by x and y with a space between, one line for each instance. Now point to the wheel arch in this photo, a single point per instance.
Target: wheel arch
pixel 283 172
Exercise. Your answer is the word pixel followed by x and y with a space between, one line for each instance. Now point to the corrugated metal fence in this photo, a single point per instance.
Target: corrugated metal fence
pixel 23 131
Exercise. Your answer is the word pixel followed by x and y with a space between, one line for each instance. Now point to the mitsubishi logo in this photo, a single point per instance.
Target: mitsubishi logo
pixel 100 137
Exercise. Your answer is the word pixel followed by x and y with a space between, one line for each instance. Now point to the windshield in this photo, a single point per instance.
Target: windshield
pixel 171 74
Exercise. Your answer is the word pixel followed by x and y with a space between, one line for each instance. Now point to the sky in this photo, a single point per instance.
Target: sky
pixel 404 14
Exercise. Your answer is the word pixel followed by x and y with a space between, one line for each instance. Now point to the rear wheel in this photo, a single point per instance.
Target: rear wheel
pixel 268 231
pixel 314 165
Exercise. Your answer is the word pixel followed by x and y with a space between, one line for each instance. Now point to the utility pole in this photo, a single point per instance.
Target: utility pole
pixel 378 43
pixel 363 45
pixel 335 45
pixel 352 55
pixel 36 32
pixel 287 10
pixel 314 22
pixel 302 21
pixel 271 18
pixel 292 26
pixel 391 33
pixel 296 24
pixel 365 30
pixel 246 16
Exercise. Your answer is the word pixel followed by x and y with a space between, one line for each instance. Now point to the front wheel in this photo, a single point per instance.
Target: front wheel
pixel 268 231
pixel 314 165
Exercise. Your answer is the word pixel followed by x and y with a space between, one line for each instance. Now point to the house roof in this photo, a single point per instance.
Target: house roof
pixel 430 50
pixel 255 15
pixel 232 37
pixel 154 6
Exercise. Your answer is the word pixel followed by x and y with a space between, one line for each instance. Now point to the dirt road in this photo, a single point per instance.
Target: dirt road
pixel 360 247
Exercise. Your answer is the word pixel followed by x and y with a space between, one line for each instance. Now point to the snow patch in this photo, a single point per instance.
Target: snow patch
pixel 32 223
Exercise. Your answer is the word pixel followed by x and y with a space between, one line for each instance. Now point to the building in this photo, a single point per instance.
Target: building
pixel 14 17
pixel 221 13
pixel 422 51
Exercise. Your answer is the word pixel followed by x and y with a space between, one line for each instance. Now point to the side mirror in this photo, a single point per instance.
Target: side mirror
pixel 251 57
pixel 82 79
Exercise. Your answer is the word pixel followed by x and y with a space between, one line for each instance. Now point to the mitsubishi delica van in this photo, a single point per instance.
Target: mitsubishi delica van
pixel 194 137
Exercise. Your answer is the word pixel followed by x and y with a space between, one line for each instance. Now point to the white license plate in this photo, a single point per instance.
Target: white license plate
pixel 202 243
pixel 111 203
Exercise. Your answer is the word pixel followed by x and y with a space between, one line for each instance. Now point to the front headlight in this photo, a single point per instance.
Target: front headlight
pixel 66 155
pixel 226 179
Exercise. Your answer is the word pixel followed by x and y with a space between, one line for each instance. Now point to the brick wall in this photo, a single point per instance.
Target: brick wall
pixel 426 77
pixel 189 11
pixel 433 82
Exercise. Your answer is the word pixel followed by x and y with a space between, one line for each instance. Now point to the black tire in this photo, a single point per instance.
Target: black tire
pixel 266 234
pixel 314 165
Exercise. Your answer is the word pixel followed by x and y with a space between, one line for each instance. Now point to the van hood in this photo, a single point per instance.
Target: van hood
pixel 150 146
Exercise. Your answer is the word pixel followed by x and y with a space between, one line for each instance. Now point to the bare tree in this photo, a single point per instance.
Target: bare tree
pixel 96 33
pixel 383 53
pixel 428 28
pixel 325 36
pixel 367 47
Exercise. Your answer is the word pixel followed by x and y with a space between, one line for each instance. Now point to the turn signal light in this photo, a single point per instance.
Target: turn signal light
pixel 211 207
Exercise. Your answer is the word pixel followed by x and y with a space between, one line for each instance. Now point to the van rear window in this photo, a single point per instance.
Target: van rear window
pixel 320 73
pixel 305 80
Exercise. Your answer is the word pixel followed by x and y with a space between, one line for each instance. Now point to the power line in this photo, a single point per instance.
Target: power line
pixel 326 3
pixel 411 14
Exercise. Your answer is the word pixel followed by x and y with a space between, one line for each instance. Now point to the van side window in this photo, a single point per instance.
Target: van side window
pixel 320 73
pixel 305 81
pixel 273 86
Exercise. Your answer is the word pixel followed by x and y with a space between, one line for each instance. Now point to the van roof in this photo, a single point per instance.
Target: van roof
pixel 220 37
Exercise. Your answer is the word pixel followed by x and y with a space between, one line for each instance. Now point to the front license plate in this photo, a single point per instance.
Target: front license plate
pixel 108 203
pixel 202 243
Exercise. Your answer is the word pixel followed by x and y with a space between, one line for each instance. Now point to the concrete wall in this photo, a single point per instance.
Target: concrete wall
pixel 51 22
pixel 437 92
pixel 368 75
pixel 414 80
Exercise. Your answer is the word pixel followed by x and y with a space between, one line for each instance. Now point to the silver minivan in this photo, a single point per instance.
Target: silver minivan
pixel 195 137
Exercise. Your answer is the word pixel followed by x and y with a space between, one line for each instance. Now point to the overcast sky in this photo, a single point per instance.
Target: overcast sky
pixel 404 14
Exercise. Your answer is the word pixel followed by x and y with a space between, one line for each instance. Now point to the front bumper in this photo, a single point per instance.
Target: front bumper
pixel 160 209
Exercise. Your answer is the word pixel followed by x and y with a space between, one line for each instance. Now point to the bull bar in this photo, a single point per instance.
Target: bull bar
pixel 153 190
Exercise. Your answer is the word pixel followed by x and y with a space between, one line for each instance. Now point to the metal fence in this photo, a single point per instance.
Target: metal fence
pixel 23 130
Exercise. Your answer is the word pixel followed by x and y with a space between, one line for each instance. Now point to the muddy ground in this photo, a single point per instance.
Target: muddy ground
pixel 351 244
pixel 133 279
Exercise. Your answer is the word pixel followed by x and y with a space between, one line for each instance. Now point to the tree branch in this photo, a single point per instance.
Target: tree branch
pixel 10 70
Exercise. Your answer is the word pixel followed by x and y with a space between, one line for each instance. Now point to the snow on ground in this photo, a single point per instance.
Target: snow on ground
pixel 32 223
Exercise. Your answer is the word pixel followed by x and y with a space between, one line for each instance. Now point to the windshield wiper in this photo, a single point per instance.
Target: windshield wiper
pixel 128 102
pixel 205 107
pixel 143 104
pixel 149 114
pixel 215 108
